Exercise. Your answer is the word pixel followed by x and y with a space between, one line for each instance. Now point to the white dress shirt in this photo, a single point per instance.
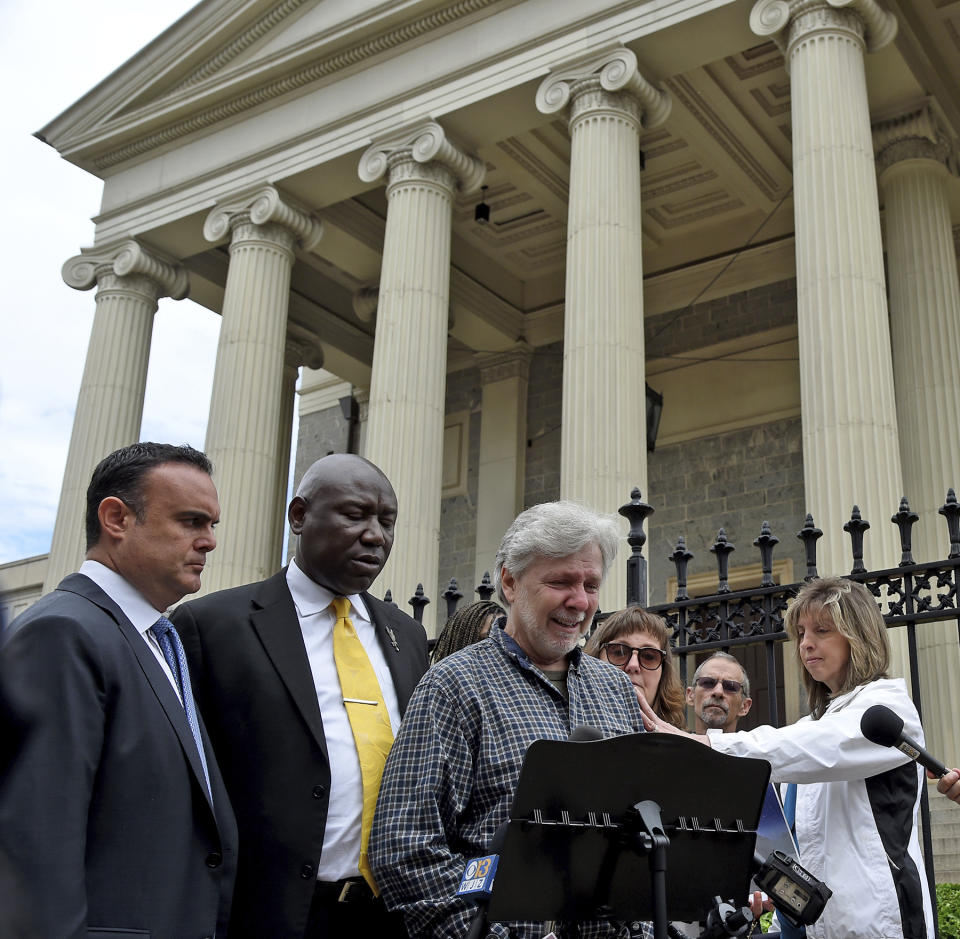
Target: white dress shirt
pixel 135 606
pixel 341 840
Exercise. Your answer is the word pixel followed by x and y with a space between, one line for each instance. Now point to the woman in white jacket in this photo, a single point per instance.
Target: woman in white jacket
pixel 857 802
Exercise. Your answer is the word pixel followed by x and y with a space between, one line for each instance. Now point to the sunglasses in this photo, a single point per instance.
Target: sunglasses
pixel 620 654
pixel 729 685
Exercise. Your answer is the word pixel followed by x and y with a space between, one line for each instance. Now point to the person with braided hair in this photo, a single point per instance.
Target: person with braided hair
pixel 466 626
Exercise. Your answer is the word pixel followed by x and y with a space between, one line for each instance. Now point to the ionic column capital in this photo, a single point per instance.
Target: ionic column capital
pixel 362 397
pixel 499 366
pixel 617 71
pixel 917 134
pixel 263 205
pixel 786 21
pixel 130 260
pixel 365 302
pixel 422 143
pixel 302 347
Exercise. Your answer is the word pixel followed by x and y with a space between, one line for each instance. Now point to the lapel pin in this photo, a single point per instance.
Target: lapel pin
pixel 393 638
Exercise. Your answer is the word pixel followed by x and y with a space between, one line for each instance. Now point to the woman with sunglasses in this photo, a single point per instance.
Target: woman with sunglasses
pixel 856 802
pixel 638 643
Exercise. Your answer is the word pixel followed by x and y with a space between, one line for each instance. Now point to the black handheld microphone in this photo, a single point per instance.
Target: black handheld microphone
pixel 882 726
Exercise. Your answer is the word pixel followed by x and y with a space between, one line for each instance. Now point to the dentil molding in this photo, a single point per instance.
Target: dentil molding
pixel 319 69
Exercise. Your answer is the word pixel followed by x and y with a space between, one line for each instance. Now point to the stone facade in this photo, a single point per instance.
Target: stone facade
pixel 680 331
pixel 734 481
pixel 320 433
pixel 542 483
pixel 458 514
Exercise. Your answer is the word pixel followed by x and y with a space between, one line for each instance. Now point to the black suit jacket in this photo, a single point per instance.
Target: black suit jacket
pixel 253 681
pixel 104 813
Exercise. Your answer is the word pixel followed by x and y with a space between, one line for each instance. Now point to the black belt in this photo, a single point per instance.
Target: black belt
pixel 350 890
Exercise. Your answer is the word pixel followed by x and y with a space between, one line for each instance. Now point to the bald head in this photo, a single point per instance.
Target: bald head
pixel 344 514
pixel 332 467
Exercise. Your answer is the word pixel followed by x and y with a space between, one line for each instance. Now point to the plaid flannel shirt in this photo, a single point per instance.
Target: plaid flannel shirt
pixel 451 774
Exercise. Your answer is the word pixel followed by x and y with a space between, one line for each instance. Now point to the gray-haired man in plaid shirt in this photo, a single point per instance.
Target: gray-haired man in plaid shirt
pixel 450 777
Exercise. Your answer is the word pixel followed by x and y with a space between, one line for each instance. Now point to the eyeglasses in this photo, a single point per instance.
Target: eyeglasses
pixel 619 654
pixel 729 685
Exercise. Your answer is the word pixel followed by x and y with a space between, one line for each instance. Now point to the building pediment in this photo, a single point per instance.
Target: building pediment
pixel 225 58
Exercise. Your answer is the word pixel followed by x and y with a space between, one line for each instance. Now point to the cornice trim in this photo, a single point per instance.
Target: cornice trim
pixel 242 42
pixel 354 55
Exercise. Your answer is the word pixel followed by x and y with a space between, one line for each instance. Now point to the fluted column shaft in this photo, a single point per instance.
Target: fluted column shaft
pixel 110 403
pixel 243 431
pixel 408 380
pixel 503 434
pixel 404 434
pixel 850 443
pixel 288 395
pixel 297 353
pixel 603 452
pixel 925 332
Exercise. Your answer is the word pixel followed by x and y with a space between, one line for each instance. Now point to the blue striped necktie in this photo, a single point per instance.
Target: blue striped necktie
pixel 172 650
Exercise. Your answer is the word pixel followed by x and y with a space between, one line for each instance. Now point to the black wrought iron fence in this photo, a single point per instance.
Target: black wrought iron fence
pixel 910 595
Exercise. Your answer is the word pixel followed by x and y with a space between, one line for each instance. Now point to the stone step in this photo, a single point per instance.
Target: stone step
pixel 944 848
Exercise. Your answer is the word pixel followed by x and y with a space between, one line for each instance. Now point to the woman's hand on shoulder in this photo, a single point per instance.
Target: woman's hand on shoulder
pixel 654 724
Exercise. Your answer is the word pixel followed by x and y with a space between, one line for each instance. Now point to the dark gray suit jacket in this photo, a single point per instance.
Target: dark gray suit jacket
pixel 104 812
pixel 253 681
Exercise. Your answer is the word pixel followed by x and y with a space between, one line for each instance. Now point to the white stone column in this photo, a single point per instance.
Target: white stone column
pixel 243 431
pixel 603 452
pixel 503 445
pixel 129 282
pixel 404 434
pixel 850 444
pixel 297 352
pixel 912 150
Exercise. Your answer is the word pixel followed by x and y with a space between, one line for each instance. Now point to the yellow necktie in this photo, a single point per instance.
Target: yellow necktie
pixel 369 719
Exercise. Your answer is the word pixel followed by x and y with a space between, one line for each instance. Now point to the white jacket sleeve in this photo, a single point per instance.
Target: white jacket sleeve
pixel 831 749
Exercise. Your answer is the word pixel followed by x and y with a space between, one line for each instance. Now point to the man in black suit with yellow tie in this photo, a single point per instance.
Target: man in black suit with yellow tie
pixel 290 673
pixel 114 820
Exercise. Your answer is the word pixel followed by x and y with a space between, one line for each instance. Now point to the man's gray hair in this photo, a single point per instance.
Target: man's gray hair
pixel 745 678
pixel 554 530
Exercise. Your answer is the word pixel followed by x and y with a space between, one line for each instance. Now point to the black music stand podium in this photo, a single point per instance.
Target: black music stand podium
pixel 594 823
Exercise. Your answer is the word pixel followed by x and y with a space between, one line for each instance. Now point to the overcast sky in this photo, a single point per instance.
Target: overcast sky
pixel 50 55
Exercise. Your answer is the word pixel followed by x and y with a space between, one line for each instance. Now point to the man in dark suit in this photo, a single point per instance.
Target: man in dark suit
pixel 113 814
pixel 267 677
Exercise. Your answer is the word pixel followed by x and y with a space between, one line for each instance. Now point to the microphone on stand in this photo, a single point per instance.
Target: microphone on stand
pixel 882 726
pixel 478 875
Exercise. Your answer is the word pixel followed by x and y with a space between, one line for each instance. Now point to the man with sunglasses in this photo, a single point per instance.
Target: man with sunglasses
pixel 720 694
